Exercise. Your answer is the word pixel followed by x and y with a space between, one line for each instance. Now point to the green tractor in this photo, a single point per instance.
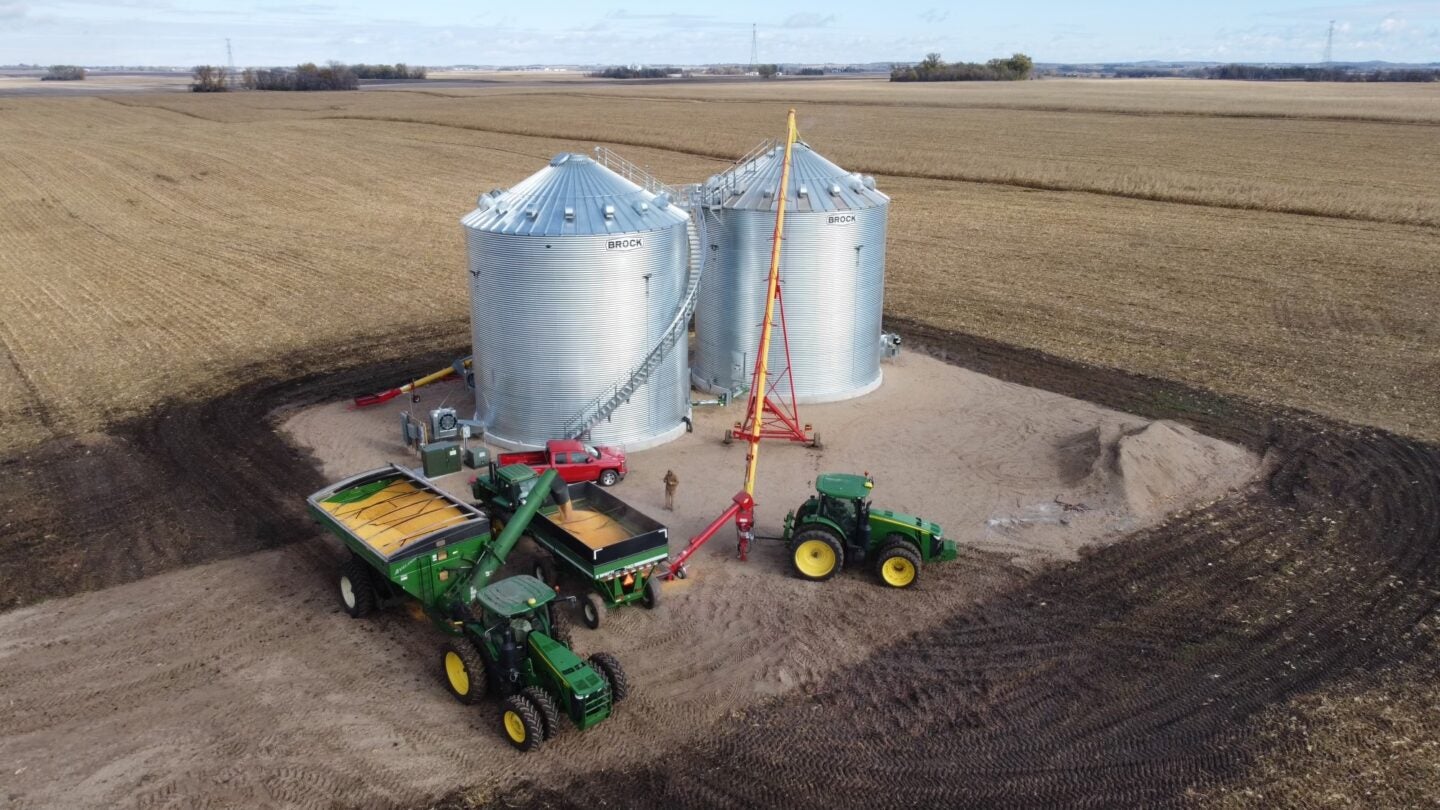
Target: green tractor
pixel 523 658
pixel 838 526
pixel 409 539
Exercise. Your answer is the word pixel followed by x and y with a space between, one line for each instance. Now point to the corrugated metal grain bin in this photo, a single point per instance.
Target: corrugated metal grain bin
pixel 575 274
pixel 832 267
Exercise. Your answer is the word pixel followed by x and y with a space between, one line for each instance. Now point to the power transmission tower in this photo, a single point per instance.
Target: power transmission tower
pixel 230 58
pixel 1330 44
pixel 754 45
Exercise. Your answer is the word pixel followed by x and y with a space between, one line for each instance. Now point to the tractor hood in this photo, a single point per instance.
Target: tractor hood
pixel 906 520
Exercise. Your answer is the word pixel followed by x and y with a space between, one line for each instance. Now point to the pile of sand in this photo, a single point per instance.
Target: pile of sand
pixel 1153 468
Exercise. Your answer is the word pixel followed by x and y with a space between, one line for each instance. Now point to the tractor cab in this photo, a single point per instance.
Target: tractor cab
pixel 844 499
pixel 519 602
pixel 516 481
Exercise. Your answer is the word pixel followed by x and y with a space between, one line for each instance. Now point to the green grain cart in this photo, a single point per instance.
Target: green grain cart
pixel 409 539
pixel 837 526
pixel 609 545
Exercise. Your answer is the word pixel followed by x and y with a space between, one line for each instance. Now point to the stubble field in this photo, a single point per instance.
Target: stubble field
pixel 157 243
pixel 1237 255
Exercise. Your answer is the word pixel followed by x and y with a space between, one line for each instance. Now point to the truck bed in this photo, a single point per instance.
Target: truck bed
pixel 395 513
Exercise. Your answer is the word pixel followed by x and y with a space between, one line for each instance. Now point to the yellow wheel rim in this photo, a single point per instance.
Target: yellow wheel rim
pixel 815 558
pixel 514 726
pixel 455 671
pixel 898 572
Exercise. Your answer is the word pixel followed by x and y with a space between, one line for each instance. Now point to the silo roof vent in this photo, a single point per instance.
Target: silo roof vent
pixel 848 191
pixel 573 195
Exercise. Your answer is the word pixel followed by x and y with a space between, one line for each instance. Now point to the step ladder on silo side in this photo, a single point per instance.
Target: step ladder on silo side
pixel 606 403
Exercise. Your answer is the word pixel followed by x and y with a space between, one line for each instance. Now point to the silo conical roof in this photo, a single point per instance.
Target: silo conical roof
pixel 816 184
pixel 573 195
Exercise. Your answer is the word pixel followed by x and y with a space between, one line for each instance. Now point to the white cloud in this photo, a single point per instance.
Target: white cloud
pixel 809 20
pixel 13 11
pixel 1391 25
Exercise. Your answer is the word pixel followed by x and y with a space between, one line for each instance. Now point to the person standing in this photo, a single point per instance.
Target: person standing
pixel 671 482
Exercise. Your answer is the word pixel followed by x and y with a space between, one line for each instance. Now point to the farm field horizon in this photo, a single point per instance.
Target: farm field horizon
pixel 205 227
pixel 1259 261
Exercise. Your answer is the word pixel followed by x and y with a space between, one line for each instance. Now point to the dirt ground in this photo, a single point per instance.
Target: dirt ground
pixel 1150 672
pixel 240 682
pixel 1015 471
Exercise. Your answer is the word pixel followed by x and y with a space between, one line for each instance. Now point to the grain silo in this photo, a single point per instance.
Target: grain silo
pixel 576 275
pixel 832 269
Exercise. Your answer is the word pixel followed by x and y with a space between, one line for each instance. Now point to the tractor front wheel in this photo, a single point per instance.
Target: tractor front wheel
pixel 464 672
pixel 357 589
pixel 544 569
pixel 521 723
pixel 545 706
pixel 817 554
pixel 592 610
pixel 898 565
pixel 609 668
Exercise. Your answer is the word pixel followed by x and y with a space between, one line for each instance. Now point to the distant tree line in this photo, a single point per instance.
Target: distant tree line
pixel 935 69
pixel 1315 74
pixel 399 70
pixel 64 73
pixel 309 76
pixel 811 71
pixel 210 79
pixel 622 72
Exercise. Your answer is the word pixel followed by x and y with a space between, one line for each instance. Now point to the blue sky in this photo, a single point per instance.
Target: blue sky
pixel 269 32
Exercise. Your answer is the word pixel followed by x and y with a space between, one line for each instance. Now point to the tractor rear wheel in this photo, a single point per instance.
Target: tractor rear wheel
pixel 464 672
pixel 592 610
pixel 609 668
pixel 545 705
pixel 357 589
pixel 898 564
pixel 521 724
pixel 650 596
pixel 817 554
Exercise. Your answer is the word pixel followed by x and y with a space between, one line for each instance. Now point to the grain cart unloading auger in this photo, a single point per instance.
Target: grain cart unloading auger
pixel 409 539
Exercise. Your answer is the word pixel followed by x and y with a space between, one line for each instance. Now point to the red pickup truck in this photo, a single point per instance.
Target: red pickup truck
pixel 575 461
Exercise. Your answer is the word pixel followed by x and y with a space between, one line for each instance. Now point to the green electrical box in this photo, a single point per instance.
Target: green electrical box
pixel 440 458
pixel 477 458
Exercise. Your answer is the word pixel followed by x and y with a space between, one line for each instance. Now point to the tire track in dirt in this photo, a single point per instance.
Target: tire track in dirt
pixel 1125 679
pixel 191 483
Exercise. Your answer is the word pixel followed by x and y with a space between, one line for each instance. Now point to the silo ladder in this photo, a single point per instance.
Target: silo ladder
pixel 607 402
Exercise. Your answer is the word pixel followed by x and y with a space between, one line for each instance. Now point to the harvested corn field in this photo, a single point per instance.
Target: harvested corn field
pixel 173 241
